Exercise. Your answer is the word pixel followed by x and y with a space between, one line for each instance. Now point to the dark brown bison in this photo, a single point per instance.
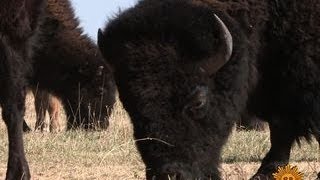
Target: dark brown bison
pixel 19 21
pixel 187 69
pixel 69 65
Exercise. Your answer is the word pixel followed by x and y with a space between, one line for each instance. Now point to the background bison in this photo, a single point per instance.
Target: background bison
pixel 184 75
pixel 18 31
pixel 69 65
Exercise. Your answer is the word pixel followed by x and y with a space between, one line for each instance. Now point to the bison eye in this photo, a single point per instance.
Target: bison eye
pixel 197 106
pixel 196 111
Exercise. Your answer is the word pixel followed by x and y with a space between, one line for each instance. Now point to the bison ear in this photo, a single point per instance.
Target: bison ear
pixel 100 39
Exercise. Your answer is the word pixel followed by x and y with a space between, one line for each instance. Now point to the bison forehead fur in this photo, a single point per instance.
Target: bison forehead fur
pixel 157 48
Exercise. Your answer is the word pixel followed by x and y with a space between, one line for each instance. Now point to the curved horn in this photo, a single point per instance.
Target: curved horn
pixel 100 37
pixel 224 51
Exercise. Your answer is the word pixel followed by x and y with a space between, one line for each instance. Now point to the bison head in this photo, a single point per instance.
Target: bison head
pixel 171 60
pixel 90 103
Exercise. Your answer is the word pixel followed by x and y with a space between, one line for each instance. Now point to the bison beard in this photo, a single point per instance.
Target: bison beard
pixel 171 80
pixel 18 31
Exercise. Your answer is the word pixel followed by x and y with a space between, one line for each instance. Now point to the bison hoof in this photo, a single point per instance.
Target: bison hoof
pixel 261 177
pixel 21 175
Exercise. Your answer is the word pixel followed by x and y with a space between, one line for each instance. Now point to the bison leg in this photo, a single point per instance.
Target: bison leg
pixel 318 139
pixel 54 110
pixel 41 99
pixel 26 128
pixel 281 142
pixel 13 107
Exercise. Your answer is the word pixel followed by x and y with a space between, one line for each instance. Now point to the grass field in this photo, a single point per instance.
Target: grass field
pixel 112 154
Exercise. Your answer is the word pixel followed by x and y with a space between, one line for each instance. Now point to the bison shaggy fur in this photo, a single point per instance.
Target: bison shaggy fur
pixel 183 91
pixel 19 20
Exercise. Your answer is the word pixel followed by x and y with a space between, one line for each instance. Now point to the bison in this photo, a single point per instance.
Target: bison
pixel 19 21
pixel 187 69
pixel 42 45
pixel 68 64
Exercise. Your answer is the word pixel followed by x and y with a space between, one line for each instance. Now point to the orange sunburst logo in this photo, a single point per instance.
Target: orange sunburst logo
pixel 288 173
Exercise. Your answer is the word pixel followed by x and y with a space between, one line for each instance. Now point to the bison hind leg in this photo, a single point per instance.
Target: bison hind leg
pixel 54 110
pixel 41 105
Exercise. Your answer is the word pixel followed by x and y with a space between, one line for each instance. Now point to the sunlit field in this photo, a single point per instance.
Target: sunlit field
pixel 111 154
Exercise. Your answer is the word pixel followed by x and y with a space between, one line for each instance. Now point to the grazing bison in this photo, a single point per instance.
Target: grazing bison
pixel 186 69
pixel 19 21
pixel 69 65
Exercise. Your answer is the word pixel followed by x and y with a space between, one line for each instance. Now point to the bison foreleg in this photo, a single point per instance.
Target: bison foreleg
pixel 281 142
pixel 13 107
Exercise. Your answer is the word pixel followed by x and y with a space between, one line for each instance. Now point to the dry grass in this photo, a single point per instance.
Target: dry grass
pixel 111 154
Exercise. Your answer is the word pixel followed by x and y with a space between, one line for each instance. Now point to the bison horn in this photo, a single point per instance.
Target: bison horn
pixel 100 37
pixel 224 52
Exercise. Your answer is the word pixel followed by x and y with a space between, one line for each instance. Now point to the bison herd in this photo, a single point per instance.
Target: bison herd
pixel 185 70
